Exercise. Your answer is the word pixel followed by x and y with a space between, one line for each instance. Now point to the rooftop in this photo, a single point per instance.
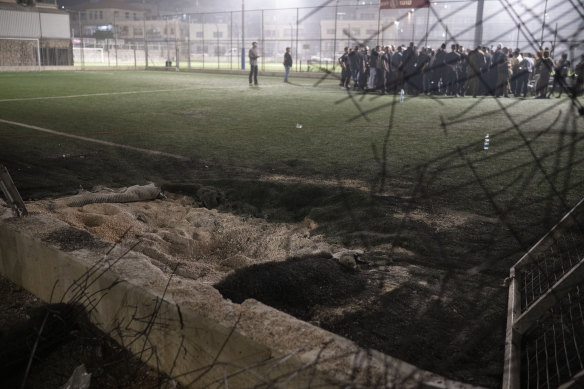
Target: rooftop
pixel 105 4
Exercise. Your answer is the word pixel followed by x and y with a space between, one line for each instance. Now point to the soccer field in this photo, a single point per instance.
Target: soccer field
pixel 219 118
pixel 373 173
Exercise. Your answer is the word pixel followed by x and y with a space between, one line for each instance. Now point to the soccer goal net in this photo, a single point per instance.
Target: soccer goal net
pixel 21 52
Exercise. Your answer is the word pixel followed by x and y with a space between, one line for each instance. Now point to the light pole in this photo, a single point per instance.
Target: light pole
pixel 413 25
pixel 396 33
pixel 217 35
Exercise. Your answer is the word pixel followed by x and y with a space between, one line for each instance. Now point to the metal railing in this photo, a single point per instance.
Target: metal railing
pixel 545 323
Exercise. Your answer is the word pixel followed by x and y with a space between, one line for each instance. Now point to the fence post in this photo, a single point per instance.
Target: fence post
pixel 428 24
pixel 82 41
pixel 41 57
pixel 242 34
pixel 231 41
pixel 378 24
pixel 512 338
pixel 263 44
pixel 189 42
pixel 176 46
pixel 297 25
pixel 115 39
pixel 335 39
pixel 145 52
pixel 145 42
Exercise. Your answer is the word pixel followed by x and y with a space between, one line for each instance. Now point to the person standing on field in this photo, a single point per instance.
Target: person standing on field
pixel 253 63
pixel 476 62
pixel 356 64
pixel 287 63
pixel 544 66
pixel 346 69
pixel 580 76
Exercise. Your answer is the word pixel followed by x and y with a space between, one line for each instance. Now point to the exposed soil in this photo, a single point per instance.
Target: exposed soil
pixel 388 296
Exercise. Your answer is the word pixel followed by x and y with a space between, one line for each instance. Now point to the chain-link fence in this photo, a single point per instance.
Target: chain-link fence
pixel 316 35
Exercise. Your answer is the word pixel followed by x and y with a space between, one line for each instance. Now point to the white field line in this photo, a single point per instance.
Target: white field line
pixel 96 94
pixel 130 93
pixel 101 142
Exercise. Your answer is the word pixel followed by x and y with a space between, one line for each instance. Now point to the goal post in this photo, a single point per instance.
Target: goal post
pixel 20 52
pixel 88 55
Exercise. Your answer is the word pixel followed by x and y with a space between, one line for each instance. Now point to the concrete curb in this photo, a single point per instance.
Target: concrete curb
pixel 187 329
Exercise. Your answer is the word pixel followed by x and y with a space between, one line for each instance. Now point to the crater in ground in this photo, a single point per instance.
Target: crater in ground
pixel 381 296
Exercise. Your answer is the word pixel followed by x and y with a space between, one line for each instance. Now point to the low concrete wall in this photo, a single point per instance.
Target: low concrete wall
pixel 186 328
pixel 61 68
pixel 33 68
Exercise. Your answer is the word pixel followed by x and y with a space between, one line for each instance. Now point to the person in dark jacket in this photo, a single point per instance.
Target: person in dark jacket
pixel 503 73
pixel 357 67
pixel 364 76
pixel 423 79
pixel 440 69
pixel 476 63
pixel 287 63
pixel 397 71
pixel 452 60
pixel 544 66
pixel 410 59
pixel 560 73
pixel 486 86
pixel 580 76
pixel 373 59
pixel 494 69
pixel 345 68
pixel 387 68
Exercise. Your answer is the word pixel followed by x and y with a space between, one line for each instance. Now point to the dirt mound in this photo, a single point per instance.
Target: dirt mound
pixel 296 286
pixel 70 239
pixel 179 234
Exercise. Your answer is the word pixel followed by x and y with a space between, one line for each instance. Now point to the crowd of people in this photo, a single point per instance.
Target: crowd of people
pixel 499 71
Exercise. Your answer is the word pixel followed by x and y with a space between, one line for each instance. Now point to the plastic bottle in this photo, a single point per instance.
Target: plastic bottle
pixel 486 145
pixel 401 96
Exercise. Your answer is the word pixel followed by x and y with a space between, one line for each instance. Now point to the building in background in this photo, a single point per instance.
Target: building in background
pixel 34 33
